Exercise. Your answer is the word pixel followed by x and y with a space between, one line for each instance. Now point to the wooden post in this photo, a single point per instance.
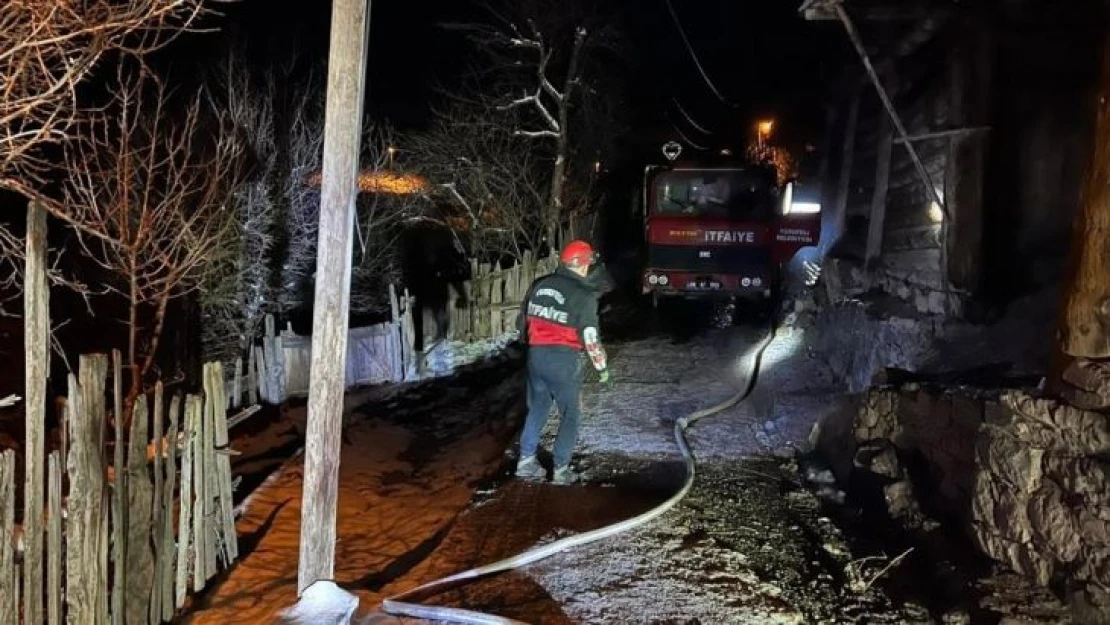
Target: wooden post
pixel 119 496
pixel 36 350
pixel 1085 319
pixel 854 36
pixel 350 30
pixel 85 527
pixel 252 377
pixel 970 107
pixel 139 557
pixel 882 185
pixel 158 511
pixel 225 512
pixel 54 541
pixel 166 545
pixel 201 535
pixel 844 185
pixel 9 597
pixel 185 537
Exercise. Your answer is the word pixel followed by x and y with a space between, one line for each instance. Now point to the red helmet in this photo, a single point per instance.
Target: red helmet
pixel 577 253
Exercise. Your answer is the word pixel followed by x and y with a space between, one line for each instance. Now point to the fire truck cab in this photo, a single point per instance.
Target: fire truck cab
pixel 722 229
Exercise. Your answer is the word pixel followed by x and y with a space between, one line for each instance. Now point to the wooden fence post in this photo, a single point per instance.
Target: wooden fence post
pixel 9 596
pixel 220 472
pixel 200 500
pixel 36 349
pixel 54 541
pixel 155 595
pixel 119 523
pixel 165 578
pixel 85 523
pixel 139 557
pixel 252 377
pixel 185 537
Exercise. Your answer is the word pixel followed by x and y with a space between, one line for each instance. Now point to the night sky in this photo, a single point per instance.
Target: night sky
pixel 763 58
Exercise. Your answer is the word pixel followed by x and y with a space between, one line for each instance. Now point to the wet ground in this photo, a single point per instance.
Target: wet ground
pixel 425 491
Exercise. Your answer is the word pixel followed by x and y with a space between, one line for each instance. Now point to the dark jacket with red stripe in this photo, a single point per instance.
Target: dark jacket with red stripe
pixel 557 309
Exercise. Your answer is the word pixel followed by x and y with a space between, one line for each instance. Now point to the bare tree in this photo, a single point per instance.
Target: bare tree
pixel 390 198
pixel 147 200
pixel 46 50
pixel 269 249
pixel 542 61
pixel 490 186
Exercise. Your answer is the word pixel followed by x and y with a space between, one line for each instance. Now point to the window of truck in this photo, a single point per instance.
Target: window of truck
pixel 722 194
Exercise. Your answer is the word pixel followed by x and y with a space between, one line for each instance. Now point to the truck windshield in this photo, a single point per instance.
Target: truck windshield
pixel 724 194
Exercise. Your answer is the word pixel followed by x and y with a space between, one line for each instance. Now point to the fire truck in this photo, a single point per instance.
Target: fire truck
pixel 722 229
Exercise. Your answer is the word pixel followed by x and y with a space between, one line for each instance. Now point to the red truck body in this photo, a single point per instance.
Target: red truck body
pixel 720 231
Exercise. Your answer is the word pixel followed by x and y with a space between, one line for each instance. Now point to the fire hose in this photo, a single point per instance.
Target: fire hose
pixel 403 605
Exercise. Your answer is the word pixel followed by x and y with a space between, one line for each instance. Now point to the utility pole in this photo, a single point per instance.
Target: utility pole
pixel 350 31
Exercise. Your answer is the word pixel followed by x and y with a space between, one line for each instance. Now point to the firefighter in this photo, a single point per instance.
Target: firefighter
pixel 559 324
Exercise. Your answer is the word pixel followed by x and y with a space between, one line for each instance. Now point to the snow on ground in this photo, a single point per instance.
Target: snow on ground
pixel 446 357
pixel 323 603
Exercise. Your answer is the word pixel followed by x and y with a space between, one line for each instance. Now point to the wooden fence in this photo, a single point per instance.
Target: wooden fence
pixel 494 295
pixel 131 532
pixel 279 367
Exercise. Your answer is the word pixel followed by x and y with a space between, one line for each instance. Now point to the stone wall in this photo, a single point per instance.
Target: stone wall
pixel 1028 479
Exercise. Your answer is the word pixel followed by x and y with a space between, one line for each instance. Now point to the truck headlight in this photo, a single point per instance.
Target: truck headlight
pixel 653 279
pixel 663 280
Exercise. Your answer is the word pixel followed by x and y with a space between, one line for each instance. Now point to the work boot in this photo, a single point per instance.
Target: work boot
pixel 565 475
pixel 530 469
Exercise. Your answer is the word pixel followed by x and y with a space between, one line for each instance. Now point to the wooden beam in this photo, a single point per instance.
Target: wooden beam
pixel 350 26
pixel 36 350
pixel 970 104
pixel 844 184
pixel 943 134
pixel 854 36
pixel 823 10
pixel 878 200
pixel 9 598
pixel 1085 320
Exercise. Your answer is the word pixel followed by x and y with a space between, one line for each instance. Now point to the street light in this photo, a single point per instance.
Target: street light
pixel 763 130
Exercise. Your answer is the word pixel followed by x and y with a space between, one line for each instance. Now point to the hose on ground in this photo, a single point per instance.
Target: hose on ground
pixel 402 604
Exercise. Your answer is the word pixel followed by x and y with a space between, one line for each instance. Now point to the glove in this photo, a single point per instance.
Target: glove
pixel 603 376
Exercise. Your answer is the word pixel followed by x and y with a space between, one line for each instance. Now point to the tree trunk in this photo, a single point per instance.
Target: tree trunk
pixel 350 27
pixel 559 172
pixel 1085 319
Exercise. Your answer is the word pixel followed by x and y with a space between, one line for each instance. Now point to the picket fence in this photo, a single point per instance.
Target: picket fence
pixel 132 523
pixel 279 368
pixel 493 296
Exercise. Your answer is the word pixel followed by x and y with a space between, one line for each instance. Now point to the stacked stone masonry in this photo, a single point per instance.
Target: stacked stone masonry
pixel 1028 478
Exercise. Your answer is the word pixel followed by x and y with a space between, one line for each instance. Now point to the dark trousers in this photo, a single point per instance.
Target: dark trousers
pixel 554 375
